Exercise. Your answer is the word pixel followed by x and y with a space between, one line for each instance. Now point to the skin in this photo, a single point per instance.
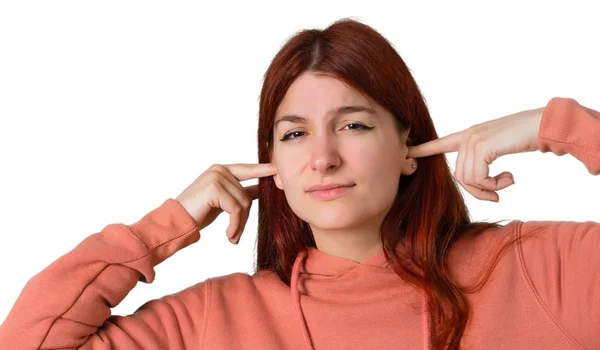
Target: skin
pixel 480 145
pixel 331 147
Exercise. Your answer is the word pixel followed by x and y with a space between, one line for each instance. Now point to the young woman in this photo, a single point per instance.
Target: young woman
pixel 358 247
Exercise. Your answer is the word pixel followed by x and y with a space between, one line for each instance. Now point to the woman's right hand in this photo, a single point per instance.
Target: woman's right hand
pixel 218 189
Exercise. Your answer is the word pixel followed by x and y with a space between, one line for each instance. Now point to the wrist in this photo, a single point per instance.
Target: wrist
pixel 534 122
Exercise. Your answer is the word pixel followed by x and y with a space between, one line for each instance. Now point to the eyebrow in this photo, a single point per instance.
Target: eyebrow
pixel 340 111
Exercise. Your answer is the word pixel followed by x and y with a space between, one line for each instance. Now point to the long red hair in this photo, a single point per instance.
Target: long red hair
pixel 437 215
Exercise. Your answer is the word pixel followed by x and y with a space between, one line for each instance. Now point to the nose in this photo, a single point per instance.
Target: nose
pixel 325 156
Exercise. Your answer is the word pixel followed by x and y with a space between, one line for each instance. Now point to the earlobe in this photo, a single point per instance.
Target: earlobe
pixel 277 180
pixel 410 167
pixel 276 177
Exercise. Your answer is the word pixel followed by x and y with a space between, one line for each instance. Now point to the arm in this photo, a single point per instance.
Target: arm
pixel 561 265
pixel 568 127
pixel 67 305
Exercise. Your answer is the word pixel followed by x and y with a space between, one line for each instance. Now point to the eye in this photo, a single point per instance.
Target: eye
pixel 361 126
pixel 358 127
pixel 287 136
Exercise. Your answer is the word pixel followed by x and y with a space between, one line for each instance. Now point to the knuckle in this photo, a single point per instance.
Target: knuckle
pixel 469 132
pixel 216 167
pixel 237 209
pixel 481 183
pixel 487 186
pixel 214 175
pixel 478 144
pixel 214 186
pixel 246 202
pixel 475 137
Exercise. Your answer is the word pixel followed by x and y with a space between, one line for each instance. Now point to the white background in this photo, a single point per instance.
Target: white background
pixel 109 108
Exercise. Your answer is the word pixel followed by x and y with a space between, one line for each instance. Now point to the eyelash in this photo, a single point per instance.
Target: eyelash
pixel 362 128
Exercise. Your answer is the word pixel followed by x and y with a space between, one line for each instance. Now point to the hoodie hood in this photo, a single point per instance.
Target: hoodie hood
pixel 331 278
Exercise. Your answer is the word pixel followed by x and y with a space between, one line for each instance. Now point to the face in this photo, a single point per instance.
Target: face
pixel 337 135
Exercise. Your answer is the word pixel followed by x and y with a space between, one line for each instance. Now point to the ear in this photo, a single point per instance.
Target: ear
pixel 407 168
pixel 276 177
pixel 278 181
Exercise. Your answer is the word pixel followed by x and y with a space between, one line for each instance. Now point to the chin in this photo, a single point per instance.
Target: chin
pixel 332 218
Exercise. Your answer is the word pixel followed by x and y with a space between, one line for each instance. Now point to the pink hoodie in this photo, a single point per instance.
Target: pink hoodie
pixel 544 294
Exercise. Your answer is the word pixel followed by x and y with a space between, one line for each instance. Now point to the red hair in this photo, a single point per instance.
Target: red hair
pixel 437 215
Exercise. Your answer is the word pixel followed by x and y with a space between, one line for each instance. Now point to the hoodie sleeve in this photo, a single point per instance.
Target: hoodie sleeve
pixel 570 128
pixel 561 265
pixel 68 304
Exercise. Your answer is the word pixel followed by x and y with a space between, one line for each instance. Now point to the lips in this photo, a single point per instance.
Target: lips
pixel 323 187
pixel 331 193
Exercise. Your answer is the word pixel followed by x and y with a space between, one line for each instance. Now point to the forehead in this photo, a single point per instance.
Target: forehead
pixel 313 94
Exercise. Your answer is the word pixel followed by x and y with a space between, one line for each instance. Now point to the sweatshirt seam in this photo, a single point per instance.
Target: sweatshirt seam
pixel 586 149
pixel 572 340
pixel 71 306
pixel 207 305
pixel 549 139
pixel 587 153
pixel 352 271
pixel 148 252
pixel 139 239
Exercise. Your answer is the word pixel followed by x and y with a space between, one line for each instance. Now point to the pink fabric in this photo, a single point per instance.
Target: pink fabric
pixel 544 293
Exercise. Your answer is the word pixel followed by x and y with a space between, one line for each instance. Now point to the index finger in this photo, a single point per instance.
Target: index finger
pixel 446 144
pixel 243 171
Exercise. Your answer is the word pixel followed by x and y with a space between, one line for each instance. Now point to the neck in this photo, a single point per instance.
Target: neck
pixel 356 244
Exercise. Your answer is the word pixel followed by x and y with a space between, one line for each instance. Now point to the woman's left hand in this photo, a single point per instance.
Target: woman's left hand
pixel 481 144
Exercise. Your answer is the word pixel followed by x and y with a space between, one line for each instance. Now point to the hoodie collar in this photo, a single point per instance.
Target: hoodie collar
pixel 321 263
pixel 315 262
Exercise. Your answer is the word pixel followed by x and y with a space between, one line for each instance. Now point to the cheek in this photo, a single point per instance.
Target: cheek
pixel 370 160
pixel 287 174
pixel 289 162
pixel 380 186
pixel 380 170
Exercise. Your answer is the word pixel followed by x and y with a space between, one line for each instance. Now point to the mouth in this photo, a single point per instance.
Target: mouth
pixel 331 193
pixel 328 186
